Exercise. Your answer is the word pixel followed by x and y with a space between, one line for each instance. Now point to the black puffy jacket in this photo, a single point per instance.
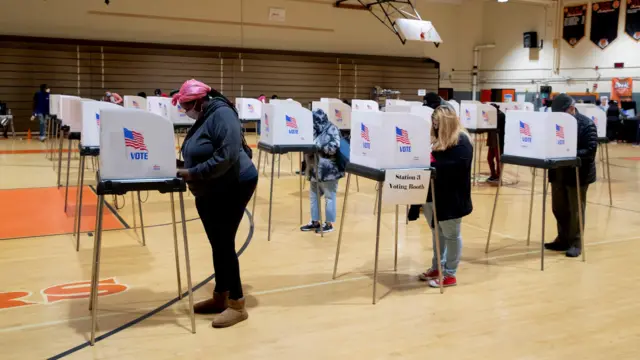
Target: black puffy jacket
pixel 587 147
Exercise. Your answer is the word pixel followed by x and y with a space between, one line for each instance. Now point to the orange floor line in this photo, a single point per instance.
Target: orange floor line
pixel 40 211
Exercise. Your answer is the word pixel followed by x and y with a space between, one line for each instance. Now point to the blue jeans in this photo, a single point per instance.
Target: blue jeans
pixel 450 242
pixel 329 190
pixel 43 125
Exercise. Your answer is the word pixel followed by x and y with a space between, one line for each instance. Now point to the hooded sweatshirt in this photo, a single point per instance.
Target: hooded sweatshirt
pixel 213 151
pixel 327 138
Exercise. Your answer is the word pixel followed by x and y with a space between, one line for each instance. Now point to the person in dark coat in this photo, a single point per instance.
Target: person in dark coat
pixel 563 182
pixel 41 109
pixel 492 144
pixel 452 154
pixel 613 121
pixel 220 174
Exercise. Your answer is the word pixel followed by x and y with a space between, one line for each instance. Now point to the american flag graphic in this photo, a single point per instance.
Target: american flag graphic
pixel 338 115
pixel 559 131
pixel 266 119
pixel 364 132
pixel 98 119
pixel 467 114
pixel 134 139
pixel 135 104
pixel 402 136
pixel 369 107
pixel 291 122
pixel 485 116
pixel 250 107
pixel 594 119
pixel 524 129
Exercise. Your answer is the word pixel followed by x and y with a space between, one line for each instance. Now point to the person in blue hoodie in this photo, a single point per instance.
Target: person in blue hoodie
pixel 220 174
pixel 41 108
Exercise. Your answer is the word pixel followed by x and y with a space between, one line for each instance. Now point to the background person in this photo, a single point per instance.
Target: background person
pixel 564 200
pixel 452 154
pixel 41 109
pixel 112 97
pixel 492 144
pixel 613 121
pixel 324 175
pixel 158 92
pixel 221 176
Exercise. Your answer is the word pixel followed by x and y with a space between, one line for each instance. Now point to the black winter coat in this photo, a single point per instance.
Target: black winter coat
pixel 587 147
pixel 452 182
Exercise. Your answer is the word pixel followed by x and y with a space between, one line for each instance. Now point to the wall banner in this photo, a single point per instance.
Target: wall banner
pixel 573 28
pixel 621 88
pixel 604 22
pixel 632 23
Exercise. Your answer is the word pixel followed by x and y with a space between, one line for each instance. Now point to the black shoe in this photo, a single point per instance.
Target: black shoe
pixel 493 179
pixel 311 226
pixel 556 245
pixel 574 252
pixel 326 228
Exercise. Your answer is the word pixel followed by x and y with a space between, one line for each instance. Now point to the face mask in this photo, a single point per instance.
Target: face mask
pixel 48 90
pixel 193 114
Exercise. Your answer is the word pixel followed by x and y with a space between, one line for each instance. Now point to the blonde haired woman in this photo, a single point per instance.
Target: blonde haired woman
pixel 452 153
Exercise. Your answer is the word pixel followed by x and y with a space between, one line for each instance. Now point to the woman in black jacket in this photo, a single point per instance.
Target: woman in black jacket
pixel 222 177
pixel 613 121
pixel 452 154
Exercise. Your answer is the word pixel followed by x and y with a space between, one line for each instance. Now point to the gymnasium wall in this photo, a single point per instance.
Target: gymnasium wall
pixel 509 65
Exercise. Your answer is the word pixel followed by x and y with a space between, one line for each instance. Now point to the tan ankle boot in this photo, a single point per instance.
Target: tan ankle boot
pixel 234 314
pixel 215 305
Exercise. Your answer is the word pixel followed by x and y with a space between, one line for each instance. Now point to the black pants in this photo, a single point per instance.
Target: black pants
pixel 221 214
pixel 564 202
pixel 613 129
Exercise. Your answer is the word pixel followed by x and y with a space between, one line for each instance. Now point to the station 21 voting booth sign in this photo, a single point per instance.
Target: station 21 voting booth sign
pixel 599 118
pixel 540 140
pixel 135 102
pixel 478 118
pixel 364 105
pixel 137 154
pixel 286 127
pixel 393 149
pixel 339 113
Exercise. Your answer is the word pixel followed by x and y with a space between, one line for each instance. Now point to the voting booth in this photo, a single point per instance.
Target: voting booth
pixel 65 128
pixel 599 118
pixel 339 113
pixel 89 146
pixel 135 102
pixel 539 135
pixel 71 113
pixel 249 109
pixel 158 105
pixel 286 127
pixel 137 154
pixel 364 105
pixel 394 150
pixel 547 141
pixel 455 105
pixel 391 102
pixel 476 115
pixel 507 106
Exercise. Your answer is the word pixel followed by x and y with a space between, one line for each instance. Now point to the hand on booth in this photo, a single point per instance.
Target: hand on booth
pixel 184 173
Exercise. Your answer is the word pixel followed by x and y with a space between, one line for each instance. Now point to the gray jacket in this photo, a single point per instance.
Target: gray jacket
pixel 327 137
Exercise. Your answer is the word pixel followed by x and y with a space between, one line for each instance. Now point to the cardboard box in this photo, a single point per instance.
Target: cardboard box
pixel 540 135
pixel 388 140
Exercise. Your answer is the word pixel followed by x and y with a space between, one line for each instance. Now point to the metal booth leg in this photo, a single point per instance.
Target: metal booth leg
pixel 357 184
pixel 144 240
pixel 61 138
pixel 255 192
pixel 93 279
pixel 66 186
pixel 604 174
pixel 375 264
pixel 544 213
pixel 375 204
pixel 79 201
pixel 342 220
pixel 188 264
pixel 606 148
pixel 533 188
pixel 580 219
pixel 273 159
pixel 93 305
pixel 437 232
pixel 175 244
pixel 300 178
pixel 279 162
pixel 317 158
pixel 133 211
pixel 493 212
pixel 395 252
pixel 475 159
pixel 75 214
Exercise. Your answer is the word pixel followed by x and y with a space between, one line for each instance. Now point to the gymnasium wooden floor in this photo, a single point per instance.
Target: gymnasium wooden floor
pixel 503 308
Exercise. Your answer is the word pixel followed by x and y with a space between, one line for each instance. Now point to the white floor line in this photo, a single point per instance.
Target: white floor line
pixel 306 286
pixel 51 323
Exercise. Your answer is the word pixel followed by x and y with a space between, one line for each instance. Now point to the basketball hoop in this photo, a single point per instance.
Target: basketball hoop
pixel 399 16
